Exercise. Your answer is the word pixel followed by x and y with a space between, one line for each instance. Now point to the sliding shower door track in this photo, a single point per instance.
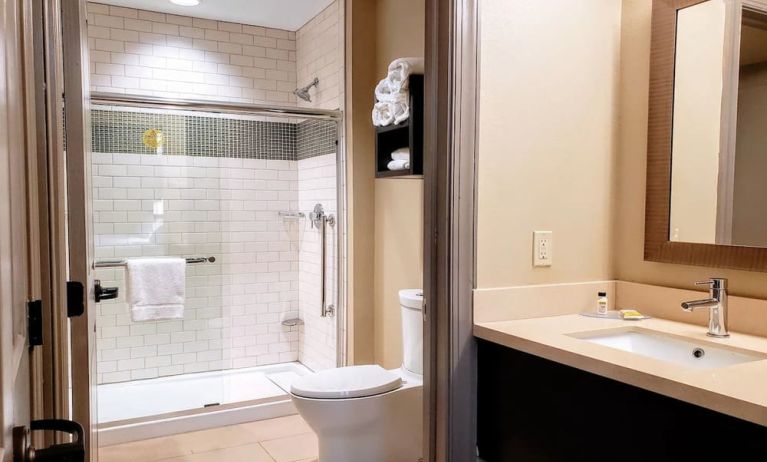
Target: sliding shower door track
pixel 157 102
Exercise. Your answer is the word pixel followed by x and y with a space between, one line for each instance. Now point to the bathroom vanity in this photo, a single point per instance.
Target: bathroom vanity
pixel 577 388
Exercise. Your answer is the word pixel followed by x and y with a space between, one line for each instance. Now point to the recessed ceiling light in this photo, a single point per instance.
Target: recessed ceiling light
pixel 185 2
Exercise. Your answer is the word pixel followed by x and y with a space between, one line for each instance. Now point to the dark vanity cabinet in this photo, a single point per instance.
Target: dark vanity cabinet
pixel 531 409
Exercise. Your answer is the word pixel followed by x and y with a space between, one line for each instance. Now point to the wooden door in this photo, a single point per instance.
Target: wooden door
pixel 19 272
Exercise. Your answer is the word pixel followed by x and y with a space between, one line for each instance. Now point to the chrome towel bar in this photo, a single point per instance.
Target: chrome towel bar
pixel 123 262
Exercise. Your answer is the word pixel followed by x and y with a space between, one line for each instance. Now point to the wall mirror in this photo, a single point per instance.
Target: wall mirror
pixel 707 134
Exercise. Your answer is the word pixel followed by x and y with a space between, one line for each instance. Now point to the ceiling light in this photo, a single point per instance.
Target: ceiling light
pixel 185 2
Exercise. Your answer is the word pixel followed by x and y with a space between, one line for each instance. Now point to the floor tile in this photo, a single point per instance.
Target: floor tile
pixel 218 438
pixel 292 448
pixel 144 451
pixel 247 453
pixel 285 439
pixel 280 427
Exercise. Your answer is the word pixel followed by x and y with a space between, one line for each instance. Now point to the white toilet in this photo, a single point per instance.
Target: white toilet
pixel 368 413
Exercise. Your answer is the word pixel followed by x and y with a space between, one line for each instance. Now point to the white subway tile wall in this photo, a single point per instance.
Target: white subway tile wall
pixel 317 341
pixel 150 205
pixel 148 53
pixel 267 269
pixel 320 51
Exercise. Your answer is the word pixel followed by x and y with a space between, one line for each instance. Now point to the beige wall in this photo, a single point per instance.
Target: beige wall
pixel 697 122
pixel 548 157
pixel 386 216
pixel 398 202
pixel 360 78
pixel 629 225
pixel 547 141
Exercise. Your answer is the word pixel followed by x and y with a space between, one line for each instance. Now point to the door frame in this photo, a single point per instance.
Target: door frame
pixel 452 64
pixel 79 236
pixel 47 107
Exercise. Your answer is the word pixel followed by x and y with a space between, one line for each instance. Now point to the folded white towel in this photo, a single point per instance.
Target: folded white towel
pixel 398 165
pixel 400 70
pixel 387 113
pixel 401 154
pixel 156 288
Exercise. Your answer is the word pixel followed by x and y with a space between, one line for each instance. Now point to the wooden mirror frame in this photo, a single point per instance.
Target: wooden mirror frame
pixel 658 247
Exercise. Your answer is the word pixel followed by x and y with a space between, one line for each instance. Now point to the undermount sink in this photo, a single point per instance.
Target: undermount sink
pixel 690 353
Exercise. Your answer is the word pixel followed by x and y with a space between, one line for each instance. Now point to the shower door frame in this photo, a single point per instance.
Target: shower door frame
pixel 217 107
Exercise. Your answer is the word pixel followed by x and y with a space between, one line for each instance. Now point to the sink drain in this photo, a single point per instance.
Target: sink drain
pixel 698 352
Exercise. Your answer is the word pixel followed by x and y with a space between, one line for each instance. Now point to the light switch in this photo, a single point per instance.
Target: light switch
pixel 542 248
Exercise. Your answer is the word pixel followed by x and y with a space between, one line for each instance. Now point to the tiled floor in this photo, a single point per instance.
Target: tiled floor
pixel 284 439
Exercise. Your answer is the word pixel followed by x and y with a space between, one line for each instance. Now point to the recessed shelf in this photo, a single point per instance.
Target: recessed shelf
pixel 408 134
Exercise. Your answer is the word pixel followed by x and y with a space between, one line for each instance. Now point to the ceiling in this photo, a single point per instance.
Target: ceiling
pixel 278 14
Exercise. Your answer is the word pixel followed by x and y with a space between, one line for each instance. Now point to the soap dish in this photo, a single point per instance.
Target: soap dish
pixel 612 314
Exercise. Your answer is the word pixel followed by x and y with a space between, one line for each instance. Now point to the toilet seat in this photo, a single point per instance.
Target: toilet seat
pixel 346 382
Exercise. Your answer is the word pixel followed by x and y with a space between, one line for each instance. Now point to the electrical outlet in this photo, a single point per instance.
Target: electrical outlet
pixel 543 248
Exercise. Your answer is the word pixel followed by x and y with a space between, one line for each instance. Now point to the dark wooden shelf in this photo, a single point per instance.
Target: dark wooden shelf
pixel 394 173
pixel 408 134
pixel 390 128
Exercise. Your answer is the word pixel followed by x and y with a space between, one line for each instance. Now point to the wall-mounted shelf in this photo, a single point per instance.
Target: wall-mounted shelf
pixel 407 134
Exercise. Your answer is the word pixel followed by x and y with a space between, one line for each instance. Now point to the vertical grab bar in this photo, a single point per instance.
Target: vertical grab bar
pixel 321 220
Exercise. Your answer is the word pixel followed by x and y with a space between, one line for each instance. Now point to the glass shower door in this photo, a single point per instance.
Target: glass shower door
pixel 232 193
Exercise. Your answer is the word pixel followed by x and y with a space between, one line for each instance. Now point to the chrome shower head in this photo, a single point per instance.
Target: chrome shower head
pixel 303 93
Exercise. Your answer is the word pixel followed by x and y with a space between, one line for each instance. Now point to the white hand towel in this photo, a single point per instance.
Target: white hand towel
pixel 398 165
pixel 401 154
pixel 400 70
pixel 156 288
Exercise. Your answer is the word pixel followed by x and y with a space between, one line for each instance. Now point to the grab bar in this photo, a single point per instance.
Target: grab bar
pixel 123 262
pixel 321 220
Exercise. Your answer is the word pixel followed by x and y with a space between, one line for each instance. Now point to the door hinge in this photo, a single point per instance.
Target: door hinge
pixel 35 322
pixel 75 299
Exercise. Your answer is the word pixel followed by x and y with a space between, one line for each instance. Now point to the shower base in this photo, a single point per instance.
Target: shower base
pixel 141 409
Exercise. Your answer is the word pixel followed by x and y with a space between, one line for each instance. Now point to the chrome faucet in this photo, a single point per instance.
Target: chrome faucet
pixel 717 305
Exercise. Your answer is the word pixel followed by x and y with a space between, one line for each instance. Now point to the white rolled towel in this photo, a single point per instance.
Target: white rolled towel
pixel 398 165
pixel 401 154
pixel 400 70
pixel 387 113
pixel 385 93
pixel 383 114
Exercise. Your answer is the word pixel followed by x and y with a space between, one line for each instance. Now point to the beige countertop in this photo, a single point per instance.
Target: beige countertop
pixel 739 390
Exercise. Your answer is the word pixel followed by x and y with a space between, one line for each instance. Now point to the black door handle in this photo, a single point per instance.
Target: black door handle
pixel 65 452
pixel 103 293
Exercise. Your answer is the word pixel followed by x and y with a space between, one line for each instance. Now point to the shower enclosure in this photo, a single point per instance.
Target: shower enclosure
pixel 252 197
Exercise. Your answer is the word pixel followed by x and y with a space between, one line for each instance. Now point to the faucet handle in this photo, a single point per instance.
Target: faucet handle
pixel 714 283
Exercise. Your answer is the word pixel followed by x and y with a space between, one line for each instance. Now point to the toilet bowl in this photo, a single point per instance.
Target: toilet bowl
pixel 368 413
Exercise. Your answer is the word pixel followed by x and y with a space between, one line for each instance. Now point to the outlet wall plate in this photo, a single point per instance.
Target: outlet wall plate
pixel 543 248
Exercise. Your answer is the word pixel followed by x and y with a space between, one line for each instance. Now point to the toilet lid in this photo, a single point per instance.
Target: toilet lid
pixel 346 382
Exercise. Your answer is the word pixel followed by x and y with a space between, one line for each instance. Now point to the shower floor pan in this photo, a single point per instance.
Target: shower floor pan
pixel 141 409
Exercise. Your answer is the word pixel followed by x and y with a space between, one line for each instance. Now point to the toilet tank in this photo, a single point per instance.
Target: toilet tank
pixel 411 301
